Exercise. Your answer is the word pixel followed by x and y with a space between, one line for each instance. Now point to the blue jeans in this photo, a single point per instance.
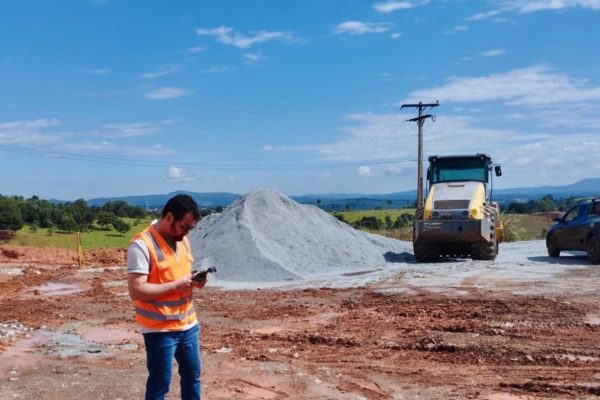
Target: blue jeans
pixel 161 347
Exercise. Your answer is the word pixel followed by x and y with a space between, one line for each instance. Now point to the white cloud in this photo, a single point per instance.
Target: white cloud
pixel 216 69
pixel 396 35
pixel 360 28
pixel 177 174
pixel 253 58
pixel 530 151
pixel 531 6
pixel 398 170
pixel 86 149
pixel 130 130
pixel 391 6
pixel 457 29
pixel 29 132
pixel 271 148
pixel 96 71
pixel 534 86
pixel 166 70
pixel 493 52
pixel 484 15
pixel 197 49
pixel 28 125
pixel 372 139
pixel 364 170
pixel 166 93
pixel 228 36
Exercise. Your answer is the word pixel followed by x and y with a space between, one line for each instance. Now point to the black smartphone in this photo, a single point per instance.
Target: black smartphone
pixel 201 275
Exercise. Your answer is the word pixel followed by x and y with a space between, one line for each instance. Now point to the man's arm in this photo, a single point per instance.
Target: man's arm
pixel 141 289
pixel 138 261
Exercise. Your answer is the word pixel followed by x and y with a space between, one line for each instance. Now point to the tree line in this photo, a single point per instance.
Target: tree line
pixel 16 211
pixel 543 204
pixel 375 224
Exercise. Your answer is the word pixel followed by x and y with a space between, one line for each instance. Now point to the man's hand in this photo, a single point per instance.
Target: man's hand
pixel 199 284
pixel 141 289
pixel 184 283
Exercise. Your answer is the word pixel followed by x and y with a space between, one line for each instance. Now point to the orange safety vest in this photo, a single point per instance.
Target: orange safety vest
pixel 175 311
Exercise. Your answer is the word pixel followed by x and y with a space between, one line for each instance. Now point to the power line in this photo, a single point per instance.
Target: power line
pixel 194 165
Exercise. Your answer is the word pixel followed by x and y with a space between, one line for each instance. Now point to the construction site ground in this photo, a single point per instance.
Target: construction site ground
pixel 68 332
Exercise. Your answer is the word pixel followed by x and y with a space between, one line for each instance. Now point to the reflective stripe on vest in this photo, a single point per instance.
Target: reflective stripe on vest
pixel 161 317
pixel 173 303
pixel 159 254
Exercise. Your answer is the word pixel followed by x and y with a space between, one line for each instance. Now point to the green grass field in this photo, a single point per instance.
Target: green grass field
pixel 353 216
pixel 94 239
pixel 517 227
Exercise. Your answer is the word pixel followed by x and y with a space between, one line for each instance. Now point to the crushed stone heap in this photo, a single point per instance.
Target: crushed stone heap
pixel 266 236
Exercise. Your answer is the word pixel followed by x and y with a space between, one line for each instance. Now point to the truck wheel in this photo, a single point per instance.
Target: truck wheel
pixel 552 246
pixel 424 252
pixel 484 251
pixel 593 250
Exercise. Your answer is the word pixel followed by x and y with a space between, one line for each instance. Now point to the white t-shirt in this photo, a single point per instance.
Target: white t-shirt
pixel 138 257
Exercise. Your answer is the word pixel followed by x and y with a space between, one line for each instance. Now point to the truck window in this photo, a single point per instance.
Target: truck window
pixel 456 171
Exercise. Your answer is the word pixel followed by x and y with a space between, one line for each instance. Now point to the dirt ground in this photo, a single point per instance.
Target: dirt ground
pixel 68 332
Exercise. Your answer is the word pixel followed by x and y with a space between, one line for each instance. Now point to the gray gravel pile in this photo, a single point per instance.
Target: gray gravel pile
pixel 265 236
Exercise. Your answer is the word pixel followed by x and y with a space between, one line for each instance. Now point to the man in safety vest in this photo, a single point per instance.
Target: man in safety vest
pixel 159 278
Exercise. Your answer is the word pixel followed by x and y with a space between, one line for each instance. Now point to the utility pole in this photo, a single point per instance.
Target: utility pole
pixel 420 120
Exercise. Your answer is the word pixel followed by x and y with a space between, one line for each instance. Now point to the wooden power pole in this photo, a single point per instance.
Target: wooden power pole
pixel 420 120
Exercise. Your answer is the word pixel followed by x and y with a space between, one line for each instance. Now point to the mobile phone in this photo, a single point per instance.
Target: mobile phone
pixel 201 275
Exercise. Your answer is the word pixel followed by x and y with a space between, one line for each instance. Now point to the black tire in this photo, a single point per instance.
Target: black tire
pixel 593 250
pixel 484 251
pixel 552 246
pixel 424 252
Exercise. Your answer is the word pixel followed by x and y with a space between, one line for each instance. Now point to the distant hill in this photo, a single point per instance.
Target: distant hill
pixel 585 187
pixel 157 201
pixel 362 201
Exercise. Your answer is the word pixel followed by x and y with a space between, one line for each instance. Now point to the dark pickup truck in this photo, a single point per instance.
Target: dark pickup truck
pixel 578 229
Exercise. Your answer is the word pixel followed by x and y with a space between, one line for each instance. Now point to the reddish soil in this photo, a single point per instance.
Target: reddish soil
pixel 56 256
pixel 301 344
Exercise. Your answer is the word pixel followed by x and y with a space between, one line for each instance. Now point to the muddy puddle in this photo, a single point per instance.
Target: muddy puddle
pixel 22 354
pixel 592 319
pixel 113 335
pixel 56 289
pixel 7 273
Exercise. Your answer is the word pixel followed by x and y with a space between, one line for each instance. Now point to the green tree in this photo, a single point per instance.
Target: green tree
pixel 372 223
pixel 404 220
pixel 389 224
pixel 121 226
pixel 105 218
pixel 10 214
pixel 37 211
pixel 66 223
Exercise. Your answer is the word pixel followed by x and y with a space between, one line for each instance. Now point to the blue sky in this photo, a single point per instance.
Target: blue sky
pixel 118 97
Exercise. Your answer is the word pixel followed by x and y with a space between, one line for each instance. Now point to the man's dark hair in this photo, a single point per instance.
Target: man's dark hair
pixel 179 206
